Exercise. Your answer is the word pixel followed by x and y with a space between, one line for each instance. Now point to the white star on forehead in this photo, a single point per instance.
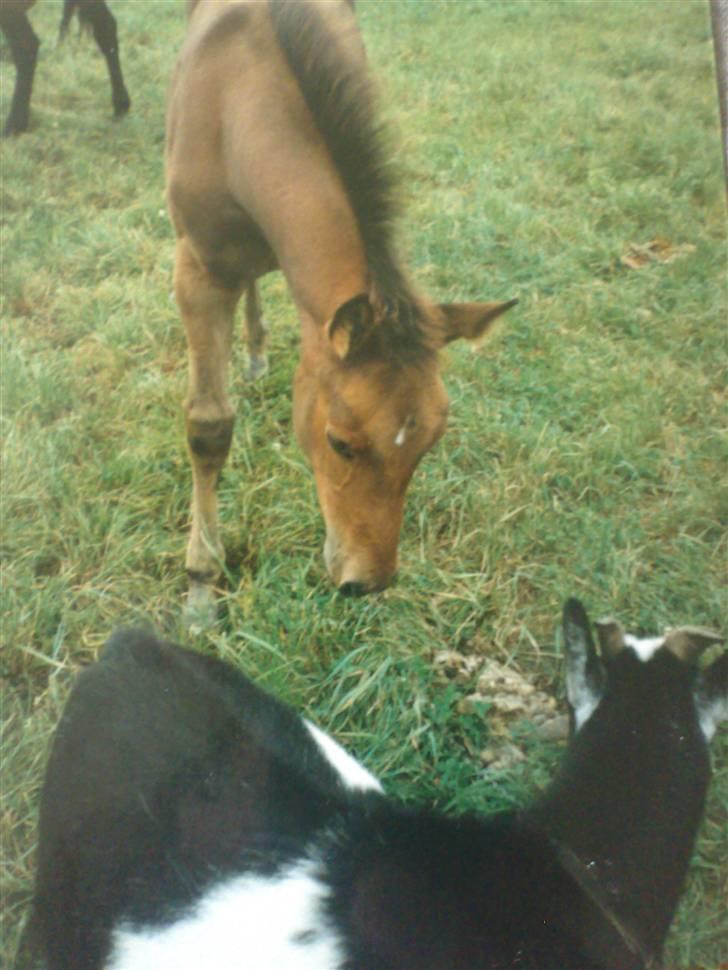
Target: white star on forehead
pixel 409 424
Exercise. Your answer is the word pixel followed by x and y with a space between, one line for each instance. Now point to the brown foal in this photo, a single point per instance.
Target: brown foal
pixel 275 160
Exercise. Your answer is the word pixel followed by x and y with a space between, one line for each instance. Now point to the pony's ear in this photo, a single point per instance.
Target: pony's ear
pixel 711 696
pixel 585 673
pixel 350 326
pixel 610 636
pixel 469 320
pixel 688 642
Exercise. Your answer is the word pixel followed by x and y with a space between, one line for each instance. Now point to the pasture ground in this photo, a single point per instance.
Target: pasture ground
pixel 566 153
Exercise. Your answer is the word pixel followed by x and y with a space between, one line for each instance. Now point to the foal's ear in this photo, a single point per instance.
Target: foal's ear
pixel 585 673
pixel 470 320
pixel 350 326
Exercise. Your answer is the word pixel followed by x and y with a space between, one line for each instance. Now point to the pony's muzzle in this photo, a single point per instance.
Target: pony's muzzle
pixel 353 575
pixel 354 589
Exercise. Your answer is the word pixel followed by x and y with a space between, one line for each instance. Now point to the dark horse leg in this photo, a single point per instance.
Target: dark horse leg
pixel 97 15
pixel 24 46
pixel 69 8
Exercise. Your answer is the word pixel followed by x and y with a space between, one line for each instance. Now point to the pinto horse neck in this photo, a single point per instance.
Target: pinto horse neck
pixel 275 160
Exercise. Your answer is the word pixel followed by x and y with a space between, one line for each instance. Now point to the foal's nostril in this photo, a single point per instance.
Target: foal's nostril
pixel 353 589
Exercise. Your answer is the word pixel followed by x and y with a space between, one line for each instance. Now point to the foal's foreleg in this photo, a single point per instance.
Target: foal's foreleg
pixel 207 310
pixel 24 46
pixel 255 334
pixel 103 24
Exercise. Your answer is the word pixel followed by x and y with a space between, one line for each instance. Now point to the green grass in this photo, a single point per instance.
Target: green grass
pixel 586 451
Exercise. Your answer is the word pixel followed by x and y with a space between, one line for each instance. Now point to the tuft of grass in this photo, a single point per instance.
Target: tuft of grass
pixel 586 450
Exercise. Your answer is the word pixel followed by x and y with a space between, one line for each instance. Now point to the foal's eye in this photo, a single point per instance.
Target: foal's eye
pixel 342 448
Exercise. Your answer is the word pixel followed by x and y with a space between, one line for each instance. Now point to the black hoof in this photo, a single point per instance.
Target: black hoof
pixel 122 106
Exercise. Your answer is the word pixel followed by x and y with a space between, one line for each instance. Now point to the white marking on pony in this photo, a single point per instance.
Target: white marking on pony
pixel 583 696
pixel 262 922
pixel 409 425
pixel 645 648
pixel 352 774
pixel 710 714
pixel 588 701
pixel 584 699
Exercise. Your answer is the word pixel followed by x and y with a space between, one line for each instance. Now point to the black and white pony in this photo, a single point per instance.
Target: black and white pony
pixel 24 44
pixel 189 821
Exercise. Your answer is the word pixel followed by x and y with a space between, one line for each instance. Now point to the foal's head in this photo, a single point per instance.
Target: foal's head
pixel 368 404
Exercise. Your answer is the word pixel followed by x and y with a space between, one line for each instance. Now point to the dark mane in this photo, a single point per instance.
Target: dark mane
pixel 340 97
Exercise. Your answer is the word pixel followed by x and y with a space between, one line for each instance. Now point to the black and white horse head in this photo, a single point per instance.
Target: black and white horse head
pixel 587 668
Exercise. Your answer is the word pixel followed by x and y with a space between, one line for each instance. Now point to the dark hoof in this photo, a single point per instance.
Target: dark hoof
pixel 257 368
pixel 122 106
pixel 13 127
pixel 200 611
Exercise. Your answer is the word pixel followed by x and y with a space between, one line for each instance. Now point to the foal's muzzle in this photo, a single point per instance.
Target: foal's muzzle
pixel 355 589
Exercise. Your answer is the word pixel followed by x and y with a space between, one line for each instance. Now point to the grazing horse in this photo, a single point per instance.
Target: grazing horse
pixel 190 820
pixel 24 46
pixel 275 159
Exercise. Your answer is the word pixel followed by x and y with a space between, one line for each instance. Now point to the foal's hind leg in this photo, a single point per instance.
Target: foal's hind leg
pixel 24 46
pixel 103 23
pixel 207 310
pixel 255 334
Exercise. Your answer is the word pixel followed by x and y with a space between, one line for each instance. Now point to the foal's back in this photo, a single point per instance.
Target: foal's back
pixel 250 180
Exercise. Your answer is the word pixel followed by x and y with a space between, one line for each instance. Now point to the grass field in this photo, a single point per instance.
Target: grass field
pixel 564 153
